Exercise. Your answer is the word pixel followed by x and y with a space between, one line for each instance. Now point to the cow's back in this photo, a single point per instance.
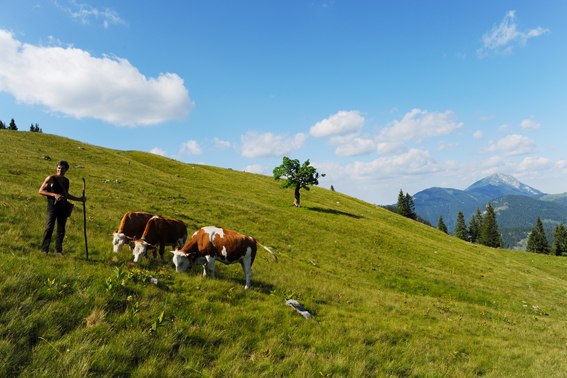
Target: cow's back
pixel 133 223
pixel 163 230
pixel 234 244
pixel 218 241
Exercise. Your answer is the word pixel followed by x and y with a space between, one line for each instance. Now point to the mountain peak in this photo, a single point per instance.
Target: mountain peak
pixel 503 184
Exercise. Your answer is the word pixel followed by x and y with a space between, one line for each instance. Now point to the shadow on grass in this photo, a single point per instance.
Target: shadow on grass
pixel 260 286
pixel 335 212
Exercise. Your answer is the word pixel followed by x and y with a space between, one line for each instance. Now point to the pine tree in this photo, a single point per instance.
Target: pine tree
pixel 475 226
pixel 560 240
pixel 405 206
pixel 461 228
pixel 441 225
pixel 537 241
pixel 13 125
pixel 35 128
pixel 410 206
pixel 402 208
pixel 489 234
pixel 2 126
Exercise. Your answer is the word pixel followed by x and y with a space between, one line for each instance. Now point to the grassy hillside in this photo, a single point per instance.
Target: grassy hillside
pixel 390 297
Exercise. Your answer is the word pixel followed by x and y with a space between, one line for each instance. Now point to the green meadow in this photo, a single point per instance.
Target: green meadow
pixel 390 297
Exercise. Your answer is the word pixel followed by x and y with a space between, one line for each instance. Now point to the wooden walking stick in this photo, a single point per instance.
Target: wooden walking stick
pixel 85 220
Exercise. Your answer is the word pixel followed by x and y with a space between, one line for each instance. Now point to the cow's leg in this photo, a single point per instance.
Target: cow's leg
pixel 161 249
pixel 247 267
pixel 209 267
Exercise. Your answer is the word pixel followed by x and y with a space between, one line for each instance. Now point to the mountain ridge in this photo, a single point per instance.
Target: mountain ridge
pixel 515 223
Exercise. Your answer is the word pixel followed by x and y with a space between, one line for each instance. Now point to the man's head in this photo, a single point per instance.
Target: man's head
pixel 62 165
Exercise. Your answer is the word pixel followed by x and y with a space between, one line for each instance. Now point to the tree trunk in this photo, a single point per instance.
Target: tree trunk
pixel 297 200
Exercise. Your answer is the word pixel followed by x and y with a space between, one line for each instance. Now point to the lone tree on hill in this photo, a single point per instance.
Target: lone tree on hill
pixel 537 241
pixel 441 225
pixel 299 176
pixel 461 228
pixel 560 240
pixel 489 234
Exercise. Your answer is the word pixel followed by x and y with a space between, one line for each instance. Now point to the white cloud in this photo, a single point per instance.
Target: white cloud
pixel 268 144
pixel 414 161
pixel 418 124
pixel 72 82
pixel 255 168
pixel 340 123
pixel 158 151
pixel 219 143
pixel 534 164
pixel 445 145
pixel 86 14
pixel 512 145
pixel 357 146
pixel 530 124
pixel 478 134
pixel 561 164
pixel 191 147
pixel 502 38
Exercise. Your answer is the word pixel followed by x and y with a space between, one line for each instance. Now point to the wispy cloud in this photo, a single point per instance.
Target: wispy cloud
pixel 220 143
pixel 504 37
pixel 73 82
pixel 268 144
pixel 191 147
pixel 255 168
pixel 158 151
pixel 87 14
pixel 418 124
pixel 530 124
pixel 512 145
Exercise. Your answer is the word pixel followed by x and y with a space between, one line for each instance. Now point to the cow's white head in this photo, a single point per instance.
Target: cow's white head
pixel 181 260
pixel 140 249
pixel 118 239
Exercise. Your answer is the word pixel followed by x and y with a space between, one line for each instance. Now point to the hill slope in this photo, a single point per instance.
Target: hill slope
pixel 390 297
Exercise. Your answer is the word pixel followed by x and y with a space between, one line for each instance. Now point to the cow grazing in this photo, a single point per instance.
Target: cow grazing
pixel 159 232
pixel 215 243
pixel 132 226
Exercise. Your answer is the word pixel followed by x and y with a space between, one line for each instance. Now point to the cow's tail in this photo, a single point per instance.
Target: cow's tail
pixel 269 250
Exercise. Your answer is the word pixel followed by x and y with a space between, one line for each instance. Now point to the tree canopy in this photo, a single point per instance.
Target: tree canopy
pixel 405 206
pixel 489 234
pixel 560 240
pixel 461 228
pixel 297 176
pixel 537 241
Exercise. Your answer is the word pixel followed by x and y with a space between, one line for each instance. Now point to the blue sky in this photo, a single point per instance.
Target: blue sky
pixel 379 95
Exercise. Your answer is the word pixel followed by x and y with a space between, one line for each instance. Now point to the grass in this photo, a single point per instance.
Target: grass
pixel 390 297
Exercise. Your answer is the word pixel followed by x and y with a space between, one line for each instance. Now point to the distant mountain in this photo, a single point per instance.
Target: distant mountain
pixel 499 185
pixel 517 215
pixel 517 206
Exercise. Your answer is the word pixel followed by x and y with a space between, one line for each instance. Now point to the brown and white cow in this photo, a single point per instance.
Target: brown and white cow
pixel 159 232
pixel 131 226
pixel 215 243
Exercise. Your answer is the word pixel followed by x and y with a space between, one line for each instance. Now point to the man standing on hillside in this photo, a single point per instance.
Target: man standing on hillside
pixel 56 189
